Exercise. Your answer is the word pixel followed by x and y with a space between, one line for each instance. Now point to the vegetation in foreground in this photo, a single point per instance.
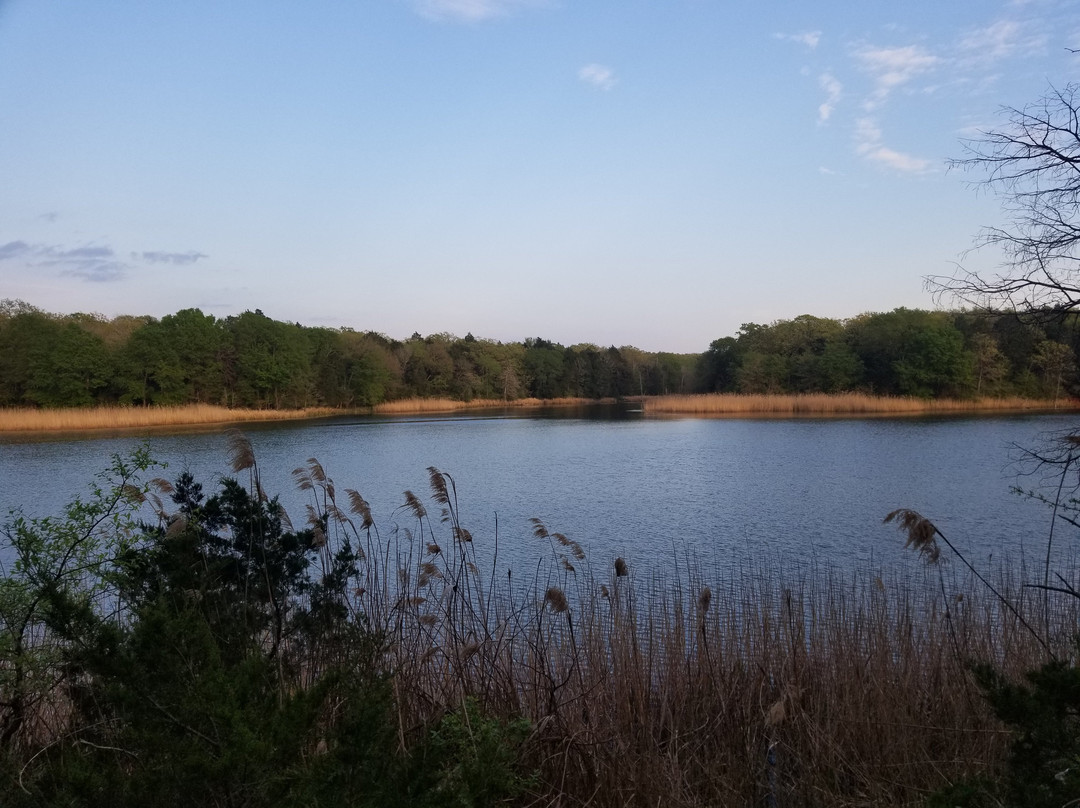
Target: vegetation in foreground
pixel 162 644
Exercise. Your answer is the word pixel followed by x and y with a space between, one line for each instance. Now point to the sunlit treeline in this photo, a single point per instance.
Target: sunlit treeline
pixel 905 352
pixel 251 360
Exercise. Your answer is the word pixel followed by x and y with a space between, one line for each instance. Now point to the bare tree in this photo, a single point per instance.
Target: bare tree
pixel 1033 163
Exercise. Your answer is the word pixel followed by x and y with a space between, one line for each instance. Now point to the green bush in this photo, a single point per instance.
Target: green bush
pixel 216 659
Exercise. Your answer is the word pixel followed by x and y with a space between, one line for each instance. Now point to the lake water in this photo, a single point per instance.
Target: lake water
pixel 714 492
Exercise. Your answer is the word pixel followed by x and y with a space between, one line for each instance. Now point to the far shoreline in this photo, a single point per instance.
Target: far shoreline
pixel 29 421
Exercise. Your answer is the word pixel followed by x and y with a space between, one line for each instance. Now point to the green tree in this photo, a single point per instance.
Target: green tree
pixel 991 365
pixel 1057 364
pixel 545 368
pixel 912 352
pixel 270 362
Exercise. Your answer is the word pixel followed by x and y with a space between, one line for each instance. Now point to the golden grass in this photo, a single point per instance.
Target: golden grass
pixel 408 406
pixel 825 404
pixel 79 419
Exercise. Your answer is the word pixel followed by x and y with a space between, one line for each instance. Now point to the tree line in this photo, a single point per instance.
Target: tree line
pixel 251 360
pixel 905 352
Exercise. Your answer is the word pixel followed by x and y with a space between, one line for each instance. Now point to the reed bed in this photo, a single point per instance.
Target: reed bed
pixel 26 419
pixel 839 404
pixel 720 687
pixel 410 406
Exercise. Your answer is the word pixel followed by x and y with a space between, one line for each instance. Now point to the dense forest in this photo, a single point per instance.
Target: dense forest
pixel 251 360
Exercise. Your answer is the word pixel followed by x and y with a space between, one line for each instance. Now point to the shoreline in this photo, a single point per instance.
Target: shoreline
pixel 25 420
pixel 707 405
pixel 842 405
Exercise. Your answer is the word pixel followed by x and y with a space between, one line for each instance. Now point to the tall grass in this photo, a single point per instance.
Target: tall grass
pixel 407 406
pixel 723 687
pixel 74 419
pixel 25 419
pixel 825 404
pixel 713 687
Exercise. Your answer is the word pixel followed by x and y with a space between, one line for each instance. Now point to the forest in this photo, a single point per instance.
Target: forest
pixel 251 360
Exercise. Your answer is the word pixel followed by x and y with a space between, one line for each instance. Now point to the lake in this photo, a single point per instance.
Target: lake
pixel 723 492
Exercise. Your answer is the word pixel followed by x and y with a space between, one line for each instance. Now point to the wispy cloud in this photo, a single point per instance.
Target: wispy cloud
pixel 808 38
pixel 92 262
pixel 49 216
pixel 599 76
pixel 98 264
pixel 869 145
pixel 469 10
pixel 833 90
pixel 176 259
pixel 995 42
pixel 893 67
pixel 13 249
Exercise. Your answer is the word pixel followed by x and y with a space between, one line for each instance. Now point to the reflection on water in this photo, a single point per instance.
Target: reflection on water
pixel 718 492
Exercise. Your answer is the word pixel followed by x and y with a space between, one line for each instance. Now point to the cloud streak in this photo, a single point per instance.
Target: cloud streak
pixel 175 259
pixel 808 38
pixel 995 42
pixel 95 263
pixel 600 76
pixel 869 145
pixel 833 90
pixel 468 10
pixel 893 68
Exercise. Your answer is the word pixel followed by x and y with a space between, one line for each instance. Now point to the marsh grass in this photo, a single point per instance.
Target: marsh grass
pixel 721 687
pixel 73 419
pixel 700 687
pixel 408 406
pixel 839 404
pixel 76 419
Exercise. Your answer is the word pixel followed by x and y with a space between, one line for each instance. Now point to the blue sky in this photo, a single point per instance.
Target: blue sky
pixel 627 172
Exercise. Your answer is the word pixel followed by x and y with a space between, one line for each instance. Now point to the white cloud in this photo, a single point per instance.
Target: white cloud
pixel 833 89
pixel 893 67
pixel 997 41
pixel 469 10
pixel 808 38
pixel 898 160
pixel 868 145
pixel 599 76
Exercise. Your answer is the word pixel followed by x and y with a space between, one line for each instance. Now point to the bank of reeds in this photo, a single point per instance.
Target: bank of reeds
pixel 753 686
pixel 74 419
pixel 726 688
pixel 839 404
pixel 410 406
pixel 78 419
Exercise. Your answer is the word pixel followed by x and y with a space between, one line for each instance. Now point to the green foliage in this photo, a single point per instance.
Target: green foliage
pixel 1043 714
pixel 65 558
pixel 471 759
pixel 215 657
pixel 251 360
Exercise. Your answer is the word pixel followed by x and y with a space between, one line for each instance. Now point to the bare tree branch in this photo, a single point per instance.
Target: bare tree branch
pixel 1033 164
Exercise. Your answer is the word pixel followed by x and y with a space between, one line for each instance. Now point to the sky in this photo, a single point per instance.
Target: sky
pixel 619 172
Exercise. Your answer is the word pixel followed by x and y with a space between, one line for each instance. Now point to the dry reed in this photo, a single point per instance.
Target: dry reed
pixel 727 688
pixel 25 419
pixel 409 406
pixel 723 687
pixel 839 404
